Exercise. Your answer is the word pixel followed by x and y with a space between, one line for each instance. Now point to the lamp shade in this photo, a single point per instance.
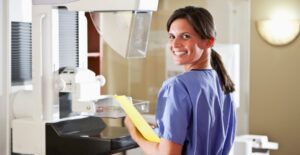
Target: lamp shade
pixel 278 32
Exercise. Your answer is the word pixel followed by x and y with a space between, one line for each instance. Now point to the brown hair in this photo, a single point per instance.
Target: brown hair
pixel 202 22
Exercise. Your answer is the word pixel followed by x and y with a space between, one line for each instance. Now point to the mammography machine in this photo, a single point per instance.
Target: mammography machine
pixel 253 145
pixel 56 116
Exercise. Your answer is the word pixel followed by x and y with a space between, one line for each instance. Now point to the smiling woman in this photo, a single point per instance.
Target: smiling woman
pixel 195 107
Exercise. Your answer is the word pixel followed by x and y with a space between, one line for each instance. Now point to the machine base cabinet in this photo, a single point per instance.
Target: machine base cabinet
pixel 89 136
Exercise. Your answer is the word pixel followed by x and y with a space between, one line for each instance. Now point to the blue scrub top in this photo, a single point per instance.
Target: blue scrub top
pixel 192 110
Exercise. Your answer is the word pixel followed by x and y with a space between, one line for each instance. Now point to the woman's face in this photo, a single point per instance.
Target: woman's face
pixel 185 45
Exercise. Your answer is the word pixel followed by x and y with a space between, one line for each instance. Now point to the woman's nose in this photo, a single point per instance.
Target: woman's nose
pixel 176 42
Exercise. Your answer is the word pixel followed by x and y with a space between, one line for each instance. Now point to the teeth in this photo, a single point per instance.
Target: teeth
pixel 179 53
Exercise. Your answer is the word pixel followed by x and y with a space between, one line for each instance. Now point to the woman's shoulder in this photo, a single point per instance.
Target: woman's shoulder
pixel 193 76
pixel 197 74
pixel 170 81
pixel 174 80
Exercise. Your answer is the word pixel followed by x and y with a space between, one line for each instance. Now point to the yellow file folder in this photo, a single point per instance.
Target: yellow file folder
pixel 137 119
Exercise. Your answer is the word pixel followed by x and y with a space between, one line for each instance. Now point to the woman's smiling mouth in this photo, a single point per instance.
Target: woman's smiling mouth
pixel 179 53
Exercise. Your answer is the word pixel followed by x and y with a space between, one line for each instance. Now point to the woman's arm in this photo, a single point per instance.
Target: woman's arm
pixel 165 147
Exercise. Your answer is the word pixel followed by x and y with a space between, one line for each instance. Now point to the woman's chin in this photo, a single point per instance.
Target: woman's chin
pixel 178 62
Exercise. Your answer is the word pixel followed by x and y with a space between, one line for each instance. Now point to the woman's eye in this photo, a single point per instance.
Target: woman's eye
pixel 186 36
pixel 171 37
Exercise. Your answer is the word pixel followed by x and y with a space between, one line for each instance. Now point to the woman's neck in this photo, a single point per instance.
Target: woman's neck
pixel 202 63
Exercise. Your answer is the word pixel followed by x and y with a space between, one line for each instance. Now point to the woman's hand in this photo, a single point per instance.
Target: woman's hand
pixel 135 134
pixel 165 147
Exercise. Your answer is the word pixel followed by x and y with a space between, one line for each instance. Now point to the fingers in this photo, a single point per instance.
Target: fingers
pixel 131 128
pixel 128 122
pixel 152 125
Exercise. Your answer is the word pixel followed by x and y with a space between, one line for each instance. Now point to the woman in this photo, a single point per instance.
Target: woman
pixel 195 112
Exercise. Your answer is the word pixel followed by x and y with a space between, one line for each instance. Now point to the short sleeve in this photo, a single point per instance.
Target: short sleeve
pixel 174 112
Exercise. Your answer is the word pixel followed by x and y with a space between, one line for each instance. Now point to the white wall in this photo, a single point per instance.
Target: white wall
pixel 7 14
pixel 1 46
pixel 4 82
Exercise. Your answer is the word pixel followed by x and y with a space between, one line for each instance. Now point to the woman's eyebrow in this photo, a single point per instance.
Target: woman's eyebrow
pixel 180 33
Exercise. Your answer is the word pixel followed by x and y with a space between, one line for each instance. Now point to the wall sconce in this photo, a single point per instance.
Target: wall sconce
pixel 278 32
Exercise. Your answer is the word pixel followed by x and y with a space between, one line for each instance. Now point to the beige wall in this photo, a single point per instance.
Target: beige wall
pixel 275 82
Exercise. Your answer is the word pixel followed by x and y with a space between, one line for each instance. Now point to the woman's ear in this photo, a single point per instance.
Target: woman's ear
pixel 210 42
